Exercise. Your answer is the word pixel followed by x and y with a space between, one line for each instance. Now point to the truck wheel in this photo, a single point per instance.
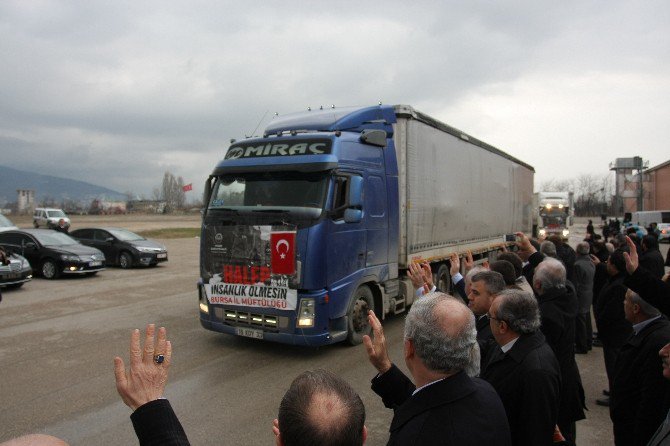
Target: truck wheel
pixel 357 316
pixel 36 224
pixel 50 269
pixel 443 280
pixel 125 260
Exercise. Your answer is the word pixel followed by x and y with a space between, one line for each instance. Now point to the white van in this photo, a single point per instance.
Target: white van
pixel 51 218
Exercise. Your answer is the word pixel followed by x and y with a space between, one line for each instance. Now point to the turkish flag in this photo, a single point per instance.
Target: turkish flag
pixel 187 187
pixel 282 245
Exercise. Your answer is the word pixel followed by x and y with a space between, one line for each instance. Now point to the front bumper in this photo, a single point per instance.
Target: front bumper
pixel 272 325
pixel 15 279
pixel 70 267
pixel 309 340
pixel 150 258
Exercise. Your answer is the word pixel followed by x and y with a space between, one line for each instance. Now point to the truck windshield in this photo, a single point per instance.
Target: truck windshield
pixel 271 189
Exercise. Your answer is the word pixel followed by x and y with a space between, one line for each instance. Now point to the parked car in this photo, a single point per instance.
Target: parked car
pixel 51 218
pixel 16 272
pixel 664 232
pixel 5 224
pixel 53 253
pixel 123 247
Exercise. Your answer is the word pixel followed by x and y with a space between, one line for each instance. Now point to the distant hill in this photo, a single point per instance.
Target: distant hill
pixel 46 186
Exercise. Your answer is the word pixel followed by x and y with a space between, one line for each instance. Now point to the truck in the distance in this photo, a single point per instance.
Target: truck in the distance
pixel 554 213
pixel 310 226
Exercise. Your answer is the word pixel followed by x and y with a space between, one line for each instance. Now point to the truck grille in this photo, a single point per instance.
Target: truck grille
pixel 243 318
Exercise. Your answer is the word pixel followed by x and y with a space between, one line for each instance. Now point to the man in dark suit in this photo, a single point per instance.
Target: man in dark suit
pixel 651 258
pixel 653 290
pixel 640 397
pixel 524 370
pixel 558 313
pixel 444 406
pixel 583 280
pixel 613 328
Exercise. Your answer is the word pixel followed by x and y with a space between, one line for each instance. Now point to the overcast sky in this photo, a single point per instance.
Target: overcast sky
pixel 116 93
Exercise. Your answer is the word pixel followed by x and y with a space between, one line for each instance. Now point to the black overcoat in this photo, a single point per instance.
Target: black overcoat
pixel 458 410
pixel 527 378
pixel 558 311
pixel 640 395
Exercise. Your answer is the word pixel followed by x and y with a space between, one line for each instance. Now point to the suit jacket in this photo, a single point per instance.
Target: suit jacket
pixel 156 424
pixel 652 260
pixel 558 311
pixel 567 255
pixel 527 378
pixel 457 410
pixel 613 328
pixel 653 290
pixel 485 338
pixel 640 395
pixel 584 273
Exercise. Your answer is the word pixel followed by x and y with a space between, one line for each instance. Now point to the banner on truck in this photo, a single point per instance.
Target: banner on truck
pixel 252 266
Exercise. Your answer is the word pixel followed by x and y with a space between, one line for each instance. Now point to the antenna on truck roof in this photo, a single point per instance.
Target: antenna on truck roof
pixel 258 125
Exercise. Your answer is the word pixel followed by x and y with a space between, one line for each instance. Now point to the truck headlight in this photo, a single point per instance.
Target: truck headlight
pixel 306 313
pixel 203 302
pixel 543 231
pixel 565 232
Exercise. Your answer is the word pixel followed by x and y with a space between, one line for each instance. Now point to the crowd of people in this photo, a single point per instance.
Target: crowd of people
pixel 494 363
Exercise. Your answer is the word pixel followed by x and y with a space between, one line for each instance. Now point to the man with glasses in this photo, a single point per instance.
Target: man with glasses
pixel 523 369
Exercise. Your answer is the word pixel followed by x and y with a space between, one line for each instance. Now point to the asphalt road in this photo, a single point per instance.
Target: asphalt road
pixel 58 340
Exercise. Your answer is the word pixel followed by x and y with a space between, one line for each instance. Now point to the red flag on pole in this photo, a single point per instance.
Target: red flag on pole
pixel 187 187
pixel 282 245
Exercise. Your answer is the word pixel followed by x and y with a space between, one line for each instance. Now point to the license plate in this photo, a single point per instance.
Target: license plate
pixel 95 263
pixel 162 255
pixel 249 333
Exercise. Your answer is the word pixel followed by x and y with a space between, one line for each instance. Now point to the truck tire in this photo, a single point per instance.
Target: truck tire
pixel 357 315
pixel 49 269
pixel 443 279
pixel 37 225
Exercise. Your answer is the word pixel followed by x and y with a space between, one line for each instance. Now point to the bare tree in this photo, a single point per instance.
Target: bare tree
pixel 172 192
pixel 554 185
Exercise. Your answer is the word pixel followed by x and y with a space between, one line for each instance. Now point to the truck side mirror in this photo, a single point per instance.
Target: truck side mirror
pixel 355 192
pixel 374 137
pixel 353 216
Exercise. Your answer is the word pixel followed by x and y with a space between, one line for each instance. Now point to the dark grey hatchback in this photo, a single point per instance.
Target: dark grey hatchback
pixel 53 253
pixel 122 247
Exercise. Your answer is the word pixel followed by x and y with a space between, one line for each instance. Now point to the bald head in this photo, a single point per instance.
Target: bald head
pixel 321 408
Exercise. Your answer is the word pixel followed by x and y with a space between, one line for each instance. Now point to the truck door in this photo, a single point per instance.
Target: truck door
pixel 346 241
pixel 376 217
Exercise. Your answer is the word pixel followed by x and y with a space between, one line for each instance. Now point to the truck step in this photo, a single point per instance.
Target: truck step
pixel 399 306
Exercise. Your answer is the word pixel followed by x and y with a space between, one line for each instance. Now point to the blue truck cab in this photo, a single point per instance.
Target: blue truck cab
pixel 300 229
